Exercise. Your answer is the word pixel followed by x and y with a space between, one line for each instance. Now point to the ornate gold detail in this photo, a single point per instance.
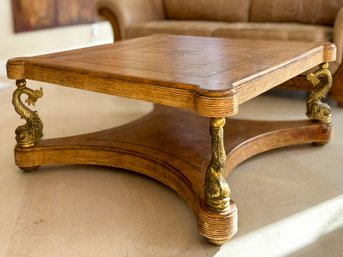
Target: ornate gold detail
pixel 30 133
pixel 322 82
pixel 217 191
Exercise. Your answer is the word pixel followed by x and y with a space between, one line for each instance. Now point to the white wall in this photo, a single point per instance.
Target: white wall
pixel 43 41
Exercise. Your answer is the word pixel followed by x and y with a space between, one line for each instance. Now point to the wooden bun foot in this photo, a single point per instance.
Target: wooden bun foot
pixel 29 169
pixel 218 228
pixel 320 143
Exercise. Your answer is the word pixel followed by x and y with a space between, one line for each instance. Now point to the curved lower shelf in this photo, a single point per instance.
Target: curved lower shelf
pixel 173 146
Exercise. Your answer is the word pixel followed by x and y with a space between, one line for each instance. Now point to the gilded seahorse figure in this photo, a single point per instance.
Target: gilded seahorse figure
pixel 31 132
pixel 217 191
pixel 322 81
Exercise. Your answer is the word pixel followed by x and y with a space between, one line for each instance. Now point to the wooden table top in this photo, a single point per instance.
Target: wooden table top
pixel 209 75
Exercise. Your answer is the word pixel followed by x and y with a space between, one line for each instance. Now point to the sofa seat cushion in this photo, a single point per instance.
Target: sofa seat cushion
pixel 275 31
pixel 194 28
pixel 320 12
pixel 272 31
pixel 209 10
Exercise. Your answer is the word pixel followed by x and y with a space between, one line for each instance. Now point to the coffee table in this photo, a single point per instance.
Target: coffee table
pixel 196 83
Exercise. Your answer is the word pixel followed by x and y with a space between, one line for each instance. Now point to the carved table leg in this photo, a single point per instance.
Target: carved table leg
pixel 30 133
pixel 318 111
pixel 217 191
pixel 218 218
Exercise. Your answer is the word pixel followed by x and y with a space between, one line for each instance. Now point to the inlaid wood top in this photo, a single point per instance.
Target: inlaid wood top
pixel 209 75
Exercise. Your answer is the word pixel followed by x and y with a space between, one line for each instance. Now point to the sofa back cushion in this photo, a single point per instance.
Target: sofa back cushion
pixel 322 12
pixel 211 10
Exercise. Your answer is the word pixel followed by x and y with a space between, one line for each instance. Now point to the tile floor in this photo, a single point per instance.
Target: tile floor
pixel 290 200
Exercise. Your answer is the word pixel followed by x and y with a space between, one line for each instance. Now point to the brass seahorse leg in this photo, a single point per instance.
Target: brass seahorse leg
pixel 29 134
pixel 322 82
pixel 217 191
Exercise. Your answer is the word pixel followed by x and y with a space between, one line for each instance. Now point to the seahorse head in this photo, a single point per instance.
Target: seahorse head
pixel 313 78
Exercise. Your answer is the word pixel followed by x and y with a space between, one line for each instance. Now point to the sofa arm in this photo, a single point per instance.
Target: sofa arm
pixel 122 13
pixel 338 36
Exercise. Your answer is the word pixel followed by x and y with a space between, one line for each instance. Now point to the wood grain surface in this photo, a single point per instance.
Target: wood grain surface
pixel 209 75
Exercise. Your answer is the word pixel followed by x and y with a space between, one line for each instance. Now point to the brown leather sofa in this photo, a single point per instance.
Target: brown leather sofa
pixel 306 20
